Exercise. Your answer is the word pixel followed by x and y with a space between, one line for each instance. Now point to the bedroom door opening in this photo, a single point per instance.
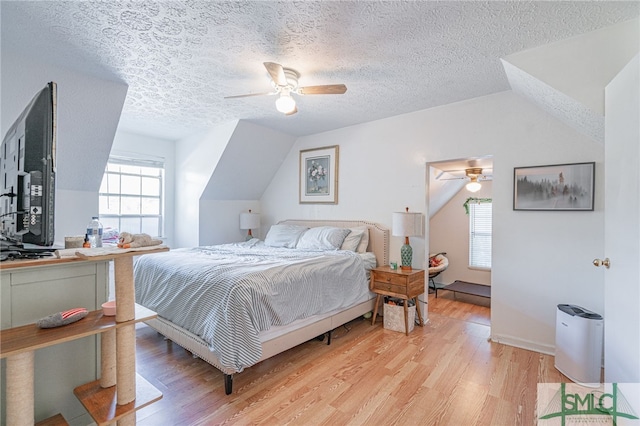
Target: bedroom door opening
pixel 458 223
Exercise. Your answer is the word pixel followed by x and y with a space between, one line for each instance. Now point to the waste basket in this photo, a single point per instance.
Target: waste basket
pixel 579 334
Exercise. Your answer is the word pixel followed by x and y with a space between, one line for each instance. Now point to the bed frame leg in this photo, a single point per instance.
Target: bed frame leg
pixel 329 337
pixel 228 384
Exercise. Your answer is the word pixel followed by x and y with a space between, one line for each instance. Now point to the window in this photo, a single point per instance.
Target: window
pixel 131 195
pixel 480 235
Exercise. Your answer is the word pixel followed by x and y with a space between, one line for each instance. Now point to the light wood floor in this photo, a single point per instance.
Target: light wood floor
pixel 446 373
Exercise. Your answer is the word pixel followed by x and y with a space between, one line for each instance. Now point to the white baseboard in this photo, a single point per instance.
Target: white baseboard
pixel 524 344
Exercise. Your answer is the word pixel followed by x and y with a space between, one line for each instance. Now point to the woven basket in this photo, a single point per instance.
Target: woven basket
pixel 393 318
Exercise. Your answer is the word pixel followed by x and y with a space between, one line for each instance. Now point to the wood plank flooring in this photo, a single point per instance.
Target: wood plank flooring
pixel 446 373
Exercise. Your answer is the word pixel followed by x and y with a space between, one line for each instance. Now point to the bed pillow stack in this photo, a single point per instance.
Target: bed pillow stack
pixel 323 238
pixel 286 236
pixel 357 240
pixel 318 238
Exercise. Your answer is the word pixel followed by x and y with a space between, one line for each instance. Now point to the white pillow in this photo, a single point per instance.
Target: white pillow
pixel 353 239
pixel 364 242
pixel 284 235
pixel 323 238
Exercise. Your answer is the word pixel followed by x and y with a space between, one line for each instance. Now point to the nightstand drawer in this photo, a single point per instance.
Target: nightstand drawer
pixel 388 287
pixel 390 278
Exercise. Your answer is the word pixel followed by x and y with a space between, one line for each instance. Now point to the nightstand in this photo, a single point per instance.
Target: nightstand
pixel 404 284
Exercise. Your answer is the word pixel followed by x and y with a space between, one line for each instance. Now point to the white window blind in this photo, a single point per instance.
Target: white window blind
pixel 480 235
pixel 131 195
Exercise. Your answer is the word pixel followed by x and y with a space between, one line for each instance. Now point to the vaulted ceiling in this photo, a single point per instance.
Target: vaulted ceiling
pixel 180 59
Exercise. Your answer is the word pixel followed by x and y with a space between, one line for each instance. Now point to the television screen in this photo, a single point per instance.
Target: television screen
pixel 27 170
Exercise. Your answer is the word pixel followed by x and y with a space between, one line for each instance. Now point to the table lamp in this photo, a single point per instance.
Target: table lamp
pixel 249 221
pixel 405 224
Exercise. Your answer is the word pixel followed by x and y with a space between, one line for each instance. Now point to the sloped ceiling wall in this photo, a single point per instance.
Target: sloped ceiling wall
pixel 88 112
pixel 556 103
pixel 567 78
pixel 231 162
pixel 196 160
pixel 441 192
pixel 251 158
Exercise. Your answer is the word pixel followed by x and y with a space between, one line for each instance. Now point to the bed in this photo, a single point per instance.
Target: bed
pixel 248 326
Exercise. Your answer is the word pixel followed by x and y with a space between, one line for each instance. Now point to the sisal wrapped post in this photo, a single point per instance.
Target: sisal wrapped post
pixel 126 335
pixel 20 388
pixel 125 291
pixel 108 359
pixel 129 420
pixel 126 364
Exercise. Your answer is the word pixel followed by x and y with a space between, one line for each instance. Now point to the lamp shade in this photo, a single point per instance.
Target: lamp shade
pixel 249 220
pixel 406 224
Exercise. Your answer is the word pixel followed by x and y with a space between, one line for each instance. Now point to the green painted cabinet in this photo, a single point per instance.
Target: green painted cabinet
pixel 30 293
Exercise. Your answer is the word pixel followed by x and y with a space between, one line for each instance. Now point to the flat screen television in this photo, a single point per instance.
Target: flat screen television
pixel 28 171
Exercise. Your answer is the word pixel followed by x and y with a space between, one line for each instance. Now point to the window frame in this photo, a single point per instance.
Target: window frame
pixel 119 160
pixel 478 238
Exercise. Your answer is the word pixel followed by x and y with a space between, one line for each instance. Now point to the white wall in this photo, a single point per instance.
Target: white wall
pixel 449 232
pixel 134 145
pixel 540 259
pixel 220 221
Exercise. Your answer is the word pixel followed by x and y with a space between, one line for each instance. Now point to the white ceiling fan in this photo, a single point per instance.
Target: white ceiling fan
pixel 474 175
pixel 480 173
pixel 285 83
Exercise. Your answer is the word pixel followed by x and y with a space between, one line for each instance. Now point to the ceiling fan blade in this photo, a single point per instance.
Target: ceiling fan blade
pixel 484 170
pixel 276 72
pixel 250 94
pixel 452 178
pixel 481 178
pixel 327 89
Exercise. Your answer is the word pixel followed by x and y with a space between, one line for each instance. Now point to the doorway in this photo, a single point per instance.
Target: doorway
pixel 457 226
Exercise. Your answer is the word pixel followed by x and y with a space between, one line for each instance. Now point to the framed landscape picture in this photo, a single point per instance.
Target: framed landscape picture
pixel 555 187
pixel 319 175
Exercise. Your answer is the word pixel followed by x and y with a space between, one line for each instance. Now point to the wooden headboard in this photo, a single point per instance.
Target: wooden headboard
pixel 378 234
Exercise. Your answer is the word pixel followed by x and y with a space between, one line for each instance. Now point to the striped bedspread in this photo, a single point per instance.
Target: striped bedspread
pixel 229 293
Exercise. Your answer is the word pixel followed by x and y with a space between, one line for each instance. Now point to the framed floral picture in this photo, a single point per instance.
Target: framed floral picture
pixel 319 175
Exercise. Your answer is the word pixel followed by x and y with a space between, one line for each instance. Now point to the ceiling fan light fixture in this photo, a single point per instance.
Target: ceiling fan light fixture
pixel 473 185
pixel 285 103
pixel 285 82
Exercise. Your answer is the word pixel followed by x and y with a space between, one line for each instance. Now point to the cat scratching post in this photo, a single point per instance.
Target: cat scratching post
pixel 108 359
pixel 125 336
pixel 20 400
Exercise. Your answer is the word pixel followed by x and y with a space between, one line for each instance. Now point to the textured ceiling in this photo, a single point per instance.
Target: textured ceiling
pixel 567 109
pixel 180 59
